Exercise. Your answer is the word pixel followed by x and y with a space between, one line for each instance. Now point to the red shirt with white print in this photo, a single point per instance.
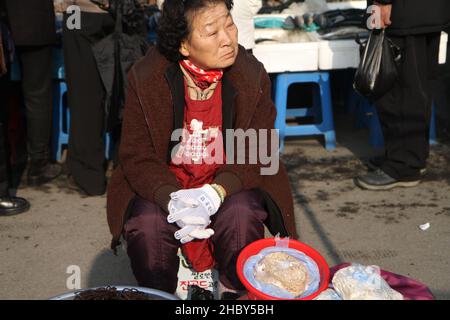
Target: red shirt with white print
pixel 201 151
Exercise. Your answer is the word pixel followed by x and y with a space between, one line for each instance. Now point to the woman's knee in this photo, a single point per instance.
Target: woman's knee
pixel 148 234
pixel 144 217
pixel 246 206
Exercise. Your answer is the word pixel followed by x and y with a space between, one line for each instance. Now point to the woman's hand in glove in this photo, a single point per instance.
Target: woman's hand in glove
pixel 183 213
pixel 191 232
pixel 206 197
pixel 191 209
pixel 191 218
pixel 192 221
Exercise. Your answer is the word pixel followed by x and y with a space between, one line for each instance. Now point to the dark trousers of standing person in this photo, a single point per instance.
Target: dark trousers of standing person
pixel 4 157
pixel 86 150
pixel 152 247
pixel 36 65
pixel 9 205
pixel 405 111
pixel 4 177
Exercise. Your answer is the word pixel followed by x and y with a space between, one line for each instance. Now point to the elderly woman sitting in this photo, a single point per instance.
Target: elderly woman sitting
pixel 169 193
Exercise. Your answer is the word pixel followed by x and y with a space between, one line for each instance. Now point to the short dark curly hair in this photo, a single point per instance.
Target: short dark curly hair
pixel 173 25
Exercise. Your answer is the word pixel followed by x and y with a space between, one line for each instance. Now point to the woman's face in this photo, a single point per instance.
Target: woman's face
pixel 212 43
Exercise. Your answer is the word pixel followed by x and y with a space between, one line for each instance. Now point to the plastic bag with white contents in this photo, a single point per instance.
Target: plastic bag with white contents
pixel 313 280
pixel 328 294
pixel 358 282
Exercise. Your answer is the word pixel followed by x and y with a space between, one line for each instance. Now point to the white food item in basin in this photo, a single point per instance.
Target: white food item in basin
pixel 283 271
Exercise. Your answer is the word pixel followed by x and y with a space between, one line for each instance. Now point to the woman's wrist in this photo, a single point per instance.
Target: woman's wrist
pixel 220 191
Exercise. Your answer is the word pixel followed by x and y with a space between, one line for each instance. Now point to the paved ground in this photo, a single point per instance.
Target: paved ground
pixel 344 223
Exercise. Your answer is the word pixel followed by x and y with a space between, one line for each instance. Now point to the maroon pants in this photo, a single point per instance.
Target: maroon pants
pixel 152 247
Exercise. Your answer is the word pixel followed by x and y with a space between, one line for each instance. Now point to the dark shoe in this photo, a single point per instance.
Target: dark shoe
pixel 375 163
pixel 197 293
pixel 13 205
pixel 230 296
pixel 41 172
pixel 379 180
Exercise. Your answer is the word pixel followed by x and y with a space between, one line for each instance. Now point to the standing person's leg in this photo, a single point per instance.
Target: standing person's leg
pixel 36 64
pixel 239 222
pixel 8 205
pixel 404 114
pixel 151 246
pixel 4 179
pixel 86 152
pixel 407 144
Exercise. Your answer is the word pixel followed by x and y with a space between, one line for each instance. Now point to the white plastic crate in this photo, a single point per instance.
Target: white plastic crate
pixel 347 5
pixel 338 54
pixel 291 53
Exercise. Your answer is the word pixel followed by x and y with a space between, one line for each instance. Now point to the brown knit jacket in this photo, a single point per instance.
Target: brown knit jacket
pixel 154 108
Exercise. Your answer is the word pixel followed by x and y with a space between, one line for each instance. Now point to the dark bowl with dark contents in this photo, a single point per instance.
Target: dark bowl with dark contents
pixel 116 293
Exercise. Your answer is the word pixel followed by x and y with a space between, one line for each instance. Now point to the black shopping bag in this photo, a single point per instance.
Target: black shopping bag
pixel 378 69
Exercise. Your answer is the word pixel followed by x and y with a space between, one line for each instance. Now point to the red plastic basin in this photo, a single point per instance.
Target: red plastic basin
pixel 255 247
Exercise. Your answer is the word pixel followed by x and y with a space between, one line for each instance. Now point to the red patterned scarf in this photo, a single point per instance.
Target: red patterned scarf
pixel 202 79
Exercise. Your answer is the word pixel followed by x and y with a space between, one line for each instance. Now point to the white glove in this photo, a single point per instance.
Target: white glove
pixel 191 232
pixel 186 213
pixel 191 218
pixel 191 209
pixel 205 197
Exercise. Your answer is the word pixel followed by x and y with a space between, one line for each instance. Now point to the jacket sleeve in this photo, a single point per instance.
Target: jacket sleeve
pixel 147 174
pixel 235 177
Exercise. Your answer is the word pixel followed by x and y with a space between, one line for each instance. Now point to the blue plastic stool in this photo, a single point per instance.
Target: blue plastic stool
pixel 61 114
pixel 433 136
pixel 61 120
pixel 373 123
pixel 321 110
pixel 359 107
pixel 15 74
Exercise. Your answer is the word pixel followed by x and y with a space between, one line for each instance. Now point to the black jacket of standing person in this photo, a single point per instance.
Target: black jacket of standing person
pixel 37 13
pixel 410 17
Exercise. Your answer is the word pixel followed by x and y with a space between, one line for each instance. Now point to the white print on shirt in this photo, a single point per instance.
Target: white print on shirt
pixel 194 145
